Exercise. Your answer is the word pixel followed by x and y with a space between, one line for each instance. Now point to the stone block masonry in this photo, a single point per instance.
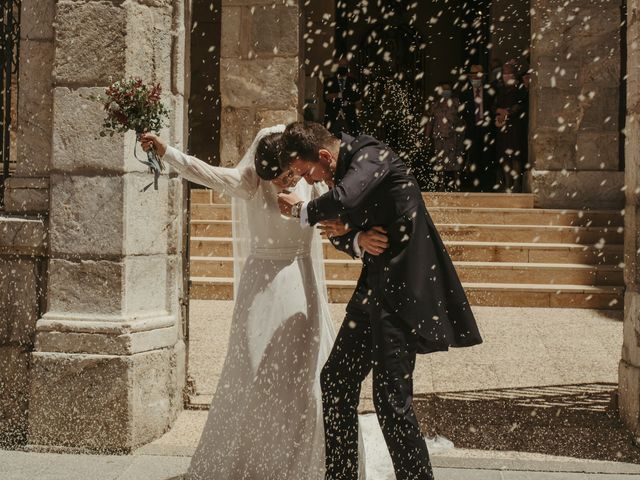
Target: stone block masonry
pixel 260 71
pixel 103 353
pixel 629 369
pixel 22 295
pixel 575 108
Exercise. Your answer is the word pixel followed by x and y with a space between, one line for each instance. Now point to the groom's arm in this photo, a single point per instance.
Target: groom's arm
pixel 366 172
pixel 374 242
pixel 347 243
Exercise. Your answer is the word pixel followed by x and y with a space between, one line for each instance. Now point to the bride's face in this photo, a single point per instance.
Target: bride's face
pixel 287 180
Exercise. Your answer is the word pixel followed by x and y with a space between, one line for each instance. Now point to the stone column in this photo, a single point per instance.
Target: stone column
pixel 575 104
pixel 108 370
pixel 259 70
pixel 629 370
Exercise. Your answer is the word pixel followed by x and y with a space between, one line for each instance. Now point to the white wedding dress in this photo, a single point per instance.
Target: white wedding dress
pixel 265 420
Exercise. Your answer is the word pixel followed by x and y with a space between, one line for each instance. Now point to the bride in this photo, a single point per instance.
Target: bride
pixel 265 420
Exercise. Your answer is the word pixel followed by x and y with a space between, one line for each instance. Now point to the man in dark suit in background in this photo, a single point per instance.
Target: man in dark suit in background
pixel 477 97
pixel 408 299
pixel 341 95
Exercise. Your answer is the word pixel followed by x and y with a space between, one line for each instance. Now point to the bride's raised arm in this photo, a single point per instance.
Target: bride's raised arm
pixel 233 182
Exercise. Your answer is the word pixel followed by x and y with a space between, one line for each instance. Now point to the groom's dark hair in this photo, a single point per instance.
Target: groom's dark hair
pixel 268 154
pixel 304 140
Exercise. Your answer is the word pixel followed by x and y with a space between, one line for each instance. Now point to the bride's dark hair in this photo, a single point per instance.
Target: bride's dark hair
pixel 268 155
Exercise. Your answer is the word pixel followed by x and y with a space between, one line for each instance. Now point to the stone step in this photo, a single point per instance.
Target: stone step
pixel 480 294
pixel 201 196
pixel 459 215
pixel 471 232
pixel 432 199
pixel 488 200
pixel 531 233
pixel 524 252
pixel 201 213
pixel 608 254
pixel 507 273
pixel 488 272
pixel 538 216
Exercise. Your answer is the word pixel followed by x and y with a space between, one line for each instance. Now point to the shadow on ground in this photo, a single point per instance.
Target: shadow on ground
pixel 579 421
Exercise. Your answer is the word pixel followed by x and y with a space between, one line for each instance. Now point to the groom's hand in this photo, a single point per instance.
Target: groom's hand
pixel 149 140
pixel 286 201
pixel 333 228
pixel 374 241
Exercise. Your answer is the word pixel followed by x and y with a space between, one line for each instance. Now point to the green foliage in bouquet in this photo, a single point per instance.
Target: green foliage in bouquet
pixel 132 105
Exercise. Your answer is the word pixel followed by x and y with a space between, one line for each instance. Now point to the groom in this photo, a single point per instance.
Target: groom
pixel 408 299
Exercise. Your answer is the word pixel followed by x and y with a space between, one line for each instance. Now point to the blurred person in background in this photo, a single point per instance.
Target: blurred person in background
pixel 496 71
pixel 341 95
pixel 444 132
pixel 510 121
pixel 477 97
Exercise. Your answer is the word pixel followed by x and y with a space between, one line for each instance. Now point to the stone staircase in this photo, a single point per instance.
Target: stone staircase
pixel 506 252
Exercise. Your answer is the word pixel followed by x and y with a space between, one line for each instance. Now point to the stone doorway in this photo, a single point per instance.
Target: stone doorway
pixel 243 112
pixel 390 64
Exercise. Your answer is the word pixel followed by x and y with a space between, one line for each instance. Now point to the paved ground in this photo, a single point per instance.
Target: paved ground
pixel 539 348
pixel 523 347
pixel 458 465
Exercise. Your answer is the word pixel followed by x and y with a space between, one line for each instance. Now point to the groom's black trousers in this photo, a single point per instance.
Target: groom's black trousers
pixel 383 342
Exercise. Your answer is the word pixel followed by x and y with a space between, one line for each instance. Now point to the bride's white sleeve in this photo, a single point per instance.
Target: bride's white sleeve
pixel 232 182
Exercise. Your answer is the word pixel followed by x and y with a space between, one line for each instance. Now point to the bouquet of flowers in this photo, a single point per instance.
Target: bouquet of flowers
pixel 132 105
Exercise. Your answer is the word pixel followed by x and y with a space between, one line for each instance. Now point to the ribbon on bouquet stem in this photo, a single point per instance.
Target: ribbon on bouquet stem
pixel 153 161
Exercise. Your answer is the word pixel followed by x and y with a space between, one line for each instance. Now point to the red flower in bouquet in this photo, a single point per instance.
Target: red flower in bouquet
pixel 133 105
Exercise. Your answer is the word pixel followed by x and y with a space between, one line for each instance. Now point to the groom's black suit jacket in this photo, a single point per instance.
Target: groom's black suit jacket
pixel 415 277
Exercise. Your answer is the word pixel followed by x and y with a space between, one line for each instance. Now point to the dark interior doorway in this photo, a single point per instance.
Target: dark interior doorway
pixel 402 52
pixel 204 101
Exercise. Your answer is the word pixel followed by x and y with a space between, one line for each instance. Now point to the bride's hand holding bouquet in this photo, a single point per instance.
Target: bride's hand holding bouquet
pixel 150 141
pixel 132 105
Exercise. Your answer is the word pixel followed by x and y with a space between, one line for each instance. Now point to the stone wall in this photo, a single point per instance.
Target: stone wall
pixel 260 70
pixel 575 107
pixel 108 368
pixel 629 371
pixel 27 191
pixel 23 222
pixel 22 288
